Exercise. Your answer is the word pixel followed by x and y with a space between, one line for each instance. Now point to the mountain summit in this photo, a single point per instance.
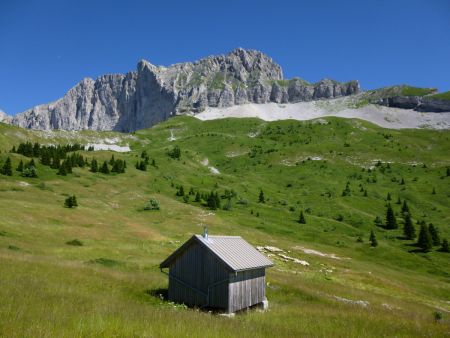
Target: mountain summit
pixel 151 94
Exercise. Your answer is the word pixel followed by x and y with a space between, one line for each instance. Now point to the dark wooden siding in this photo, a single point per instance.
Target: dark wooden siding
pixel 194 275
pixel 246 288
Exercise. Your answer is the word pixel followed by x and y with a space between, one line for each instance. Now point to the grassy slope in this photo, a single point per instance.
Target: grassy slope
pixel 53 289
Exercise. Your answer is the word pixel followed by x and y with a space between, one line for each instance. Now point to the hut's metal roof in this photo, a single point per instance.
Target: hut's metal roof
pixel 234 251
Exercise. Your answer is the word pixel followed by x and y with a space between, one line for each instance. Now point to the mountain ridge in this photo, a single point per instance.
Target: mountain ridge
pixel 151 94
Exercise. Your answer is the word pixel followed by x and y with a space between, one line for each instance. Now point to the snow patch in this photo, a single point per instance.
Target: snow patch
pixel 112 147
pixel 387 117
pixel 213 170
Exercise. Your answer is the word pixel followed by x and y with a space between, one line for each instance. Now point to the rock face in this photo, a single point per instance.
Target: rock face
pixel 152 94
pixel 4 118
pixel 419 103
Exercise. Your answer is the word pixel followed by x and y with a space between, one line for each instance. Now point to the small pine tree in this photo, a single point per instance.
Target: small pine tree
pixel 373 239
pixel 302 219
pixel 261 198
pixel 20 166
pixel 68 202
pixel 74 201
pixel 94 165
pixel 403 181
pixel 448 171
pixel 197 197
pixel 399 201
pixel 62 170
pixel 104 169
pixel 388 197
pixel 408 228
pixel 445 247
pixel 378 221
pixel 405 208
pixel 365 193
pixel 7 168
pixel 434 232
pixel 391 222
pixel 433 192
pixel 425 242
pixel 112 160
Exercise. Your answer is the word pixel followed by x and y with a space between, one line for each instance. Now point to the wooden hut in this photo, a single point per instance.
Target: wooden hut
pixel 222 272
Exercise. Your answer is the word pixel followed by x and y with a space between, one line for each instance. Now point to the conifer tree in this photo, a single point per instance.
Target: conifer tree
pixel 399 201
pixel 62 170
pixel 68 203
pixel 302 219
pixel 7 168
pixel 197 197
pixel 261 198
pixel 445 247
pixel 388 197
pixel 94 165
pixel 74 201
pixel 403 181
pixel 405 208
pixel 112 160
pixel 408 228
pixel 373 239
pixel 433 192
pixel 434 232
pixel 20 166
pixel 391 222
pixel 104 169
pixel 378 221
pixel 448 171
pixel 425 242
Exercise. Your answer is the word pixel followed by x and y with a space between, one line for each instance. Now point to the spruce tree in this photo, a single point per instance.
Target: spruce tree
pixel 448 171
pixel 425 242
pixel 261 198
pixel 302 219
pixel 434 232
pixel 408 228
pixel 74 201
pixel 373 239
pixel 104 169
pixel 433 192
pixel 391 222
pixel 405 208
pixel 7 168
pixel 445 247
pixel 68 203
pixel 388 197
pixel 20 166
pixel 62 170
pixel 197 197
pixel 403 181
pixel 112 160
pixel 94 165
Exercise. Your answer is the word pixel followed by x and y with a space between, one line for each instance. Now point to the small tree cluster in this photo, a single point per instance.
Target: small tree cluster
pixel 152 204
pixel 347 191
pixel 175 153
pixel 71 202
pixel 213 201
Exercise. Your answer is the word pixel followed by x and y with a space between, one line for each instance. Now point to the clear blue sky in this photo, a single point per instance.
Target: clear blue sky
pixel 46 47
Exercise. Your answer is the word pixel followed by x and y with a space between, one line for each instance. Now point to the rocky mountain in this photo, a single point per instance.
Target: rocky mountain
pixel 5 118
pixel 142 98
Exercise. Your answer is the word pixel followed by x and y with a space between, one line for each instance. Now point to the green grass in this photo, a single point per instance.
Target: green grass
pixel 109 286
pixel 440 96
pixel 416 91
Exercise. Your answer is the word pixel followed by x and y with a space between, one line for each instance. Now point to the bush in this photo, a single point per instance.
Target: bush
pixel 152 204
pixel 75 242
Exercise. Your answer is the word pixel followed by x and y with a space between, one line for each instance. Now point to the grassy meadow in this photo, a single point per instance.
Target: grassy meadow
pixel 110 285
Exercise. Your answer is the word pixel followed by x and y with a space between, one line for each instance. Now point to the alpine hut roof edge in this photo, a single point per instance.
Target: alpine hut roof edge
pixel 236 253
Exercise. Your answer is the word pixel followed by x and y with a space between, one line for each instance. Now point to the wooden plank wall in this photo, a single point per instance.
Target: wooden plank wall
pixel 198 268
pixel 246 288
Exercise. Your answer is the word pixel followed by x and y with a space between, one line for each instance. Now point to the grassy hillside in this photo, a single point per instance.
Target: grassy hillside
pixel 111 284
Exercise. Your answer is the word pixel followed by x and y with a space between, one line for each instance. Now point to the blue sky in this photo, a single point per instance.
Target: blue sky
pixel 46 47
